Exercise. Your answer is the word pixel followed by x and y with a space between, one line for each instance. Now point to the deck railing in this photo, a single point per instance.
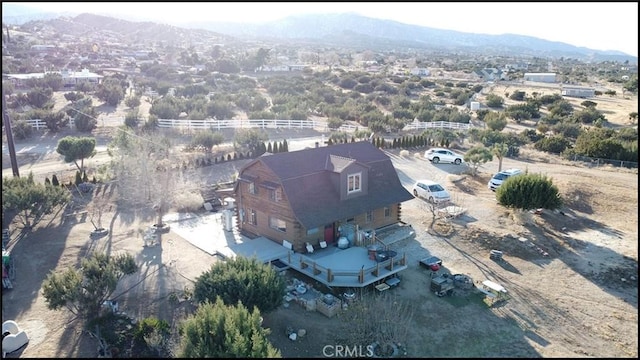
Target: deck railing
pixel 310 266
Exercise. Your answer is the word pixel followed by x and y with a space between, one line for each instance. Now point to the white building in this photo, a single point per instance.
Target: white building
pixel 578 91
pixel 420 71
pixel 540 77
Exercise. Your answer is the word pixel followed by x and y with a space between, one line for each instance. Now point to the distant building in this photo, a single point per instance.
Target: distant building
pixel 420 71
pixel 69 78
pixel 578 91
pixel 491 74
pixel 540 77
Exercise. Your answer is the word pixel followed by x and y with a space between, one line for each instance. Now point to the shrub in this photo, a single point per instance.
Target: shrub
pixel 241 279
pixel 529 191
pixel 22 130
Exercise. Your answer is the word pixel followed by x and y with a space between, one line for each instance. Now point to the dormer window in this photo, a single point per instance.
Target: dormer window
pixel 354 183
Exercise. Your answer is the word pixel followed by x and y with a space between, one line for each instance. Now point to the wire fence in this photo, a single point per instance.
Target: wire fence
pixel 598 162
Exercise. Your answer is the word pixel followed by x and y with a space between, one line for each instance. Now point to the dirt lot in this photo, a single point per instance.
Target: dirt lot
pixel 581 300
pixel 573 302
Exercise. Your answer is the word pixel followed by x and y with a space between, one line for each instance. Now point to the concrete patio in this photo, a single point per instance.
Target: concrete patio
pixel 331 266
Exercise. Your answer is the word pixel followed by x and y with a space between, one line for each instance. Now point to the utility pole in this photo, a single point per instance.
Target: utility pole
pixel 9 133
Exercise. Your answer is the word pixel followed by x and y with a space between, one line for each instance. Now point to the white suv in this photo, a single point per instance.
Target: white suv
pixel 438 155
pixel 500 177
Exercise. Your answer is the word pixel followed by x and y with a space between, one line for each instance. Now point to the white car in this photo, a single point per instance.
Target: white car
pixel 431 190
pixel 438 155
pixel 500 177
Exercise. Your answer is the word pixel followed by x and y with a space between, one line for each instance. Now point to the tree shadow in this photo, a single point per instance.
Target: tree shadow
pixel 35 253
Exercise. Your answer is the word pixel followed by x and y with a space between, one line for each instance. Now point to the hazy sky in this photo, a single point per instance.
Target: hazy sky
pixel 600 26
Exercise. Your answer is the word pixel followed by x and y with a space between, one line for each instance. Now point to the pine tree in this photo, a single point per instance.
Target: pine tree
pixel 47 181
pixel 78 177
pixel 54 180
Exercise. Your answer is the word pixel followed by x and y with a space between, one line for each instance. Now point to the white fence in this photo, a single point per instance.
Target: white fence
pixel 185 124
pixel 418 125
pixel 41 124
pixel 249 124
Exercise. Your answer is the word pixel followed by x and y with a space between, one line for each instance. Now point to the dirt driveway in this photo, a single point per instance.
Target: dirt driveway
pixel 579 300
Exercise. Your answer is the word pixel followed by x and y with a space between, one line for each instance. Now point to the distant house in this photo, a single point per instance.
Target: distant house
pixel 578 91
pixel 69 78
pixel 540 77
pixel 313 195
pixel 491 74
pixel 420 71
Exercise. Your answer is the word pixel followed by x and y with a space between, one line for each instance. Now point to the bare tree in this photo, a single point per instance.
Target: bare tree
pixel 383 320
pixel 148 172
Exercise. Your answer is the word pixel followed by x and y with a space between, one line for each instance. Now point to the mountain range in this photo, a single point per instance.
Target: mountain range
pixel 352 30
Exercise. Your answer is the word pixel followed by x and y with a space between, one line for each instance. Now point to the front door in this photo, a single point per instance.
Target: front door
pixel 329 236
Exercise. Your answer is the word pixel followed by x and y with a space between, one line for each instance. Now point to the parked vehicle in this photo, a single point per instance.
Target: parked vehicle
pixel 431 190
pixel 438 155
pixel 500 177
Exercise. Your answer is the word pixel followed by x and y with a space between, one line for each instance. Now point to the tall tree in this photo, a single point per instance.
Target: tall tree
pixel 477 156
pixel 500 150
pixel 31 200
pixel 76 148
pixel 217 330
pixel 84 290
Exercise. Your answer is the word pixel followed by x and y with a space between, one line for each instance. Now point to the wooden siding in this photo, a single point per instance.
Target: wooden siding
pixel 265 207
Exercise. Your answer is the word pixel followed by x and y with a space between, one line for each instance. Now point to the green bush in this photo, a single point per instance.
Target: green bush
pixel 529 191
pixel 148 325
pixel 22 130
pixel 241 279
pixel 555 144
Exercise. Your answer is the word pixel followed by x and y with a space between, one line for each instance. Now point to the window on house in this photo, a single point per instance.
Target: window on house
pixel 369 217
pixel 354 183
pixel 387 212
pixel 276 194
pixel 253 217
pixel 277 224
pixel 252 188
pixel 313 231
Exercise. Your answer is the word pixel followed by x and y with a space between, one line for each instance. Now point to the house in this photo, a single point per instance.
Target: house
pixel 314 195
pixel 490 74
pixel 540 77
pixel 420 71
pixel 69 78
pixel 578 91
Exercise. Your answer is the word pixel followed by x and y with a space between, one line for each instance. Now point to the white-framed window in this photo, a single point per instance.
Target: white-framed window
pixel 278 224
pixel 313 231
pixel 387 212
pixel 253 217
pixel 354 183
pixel 252 188
pixel 276 194
pixel 369 216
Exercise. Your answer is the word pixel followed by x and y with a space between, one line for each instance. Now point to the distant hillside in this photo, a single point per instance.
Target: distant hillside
pixel 134 31
pixel 346 30
pixel 333 27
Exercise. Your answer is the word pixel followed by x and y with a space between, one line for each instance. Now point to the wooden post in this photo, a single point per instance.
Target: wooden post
pixel 303 265
pixel 404 259
pixel 377 270
pixel 289 257
pixel 361 276
pixel 329 275
pixel 315 269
